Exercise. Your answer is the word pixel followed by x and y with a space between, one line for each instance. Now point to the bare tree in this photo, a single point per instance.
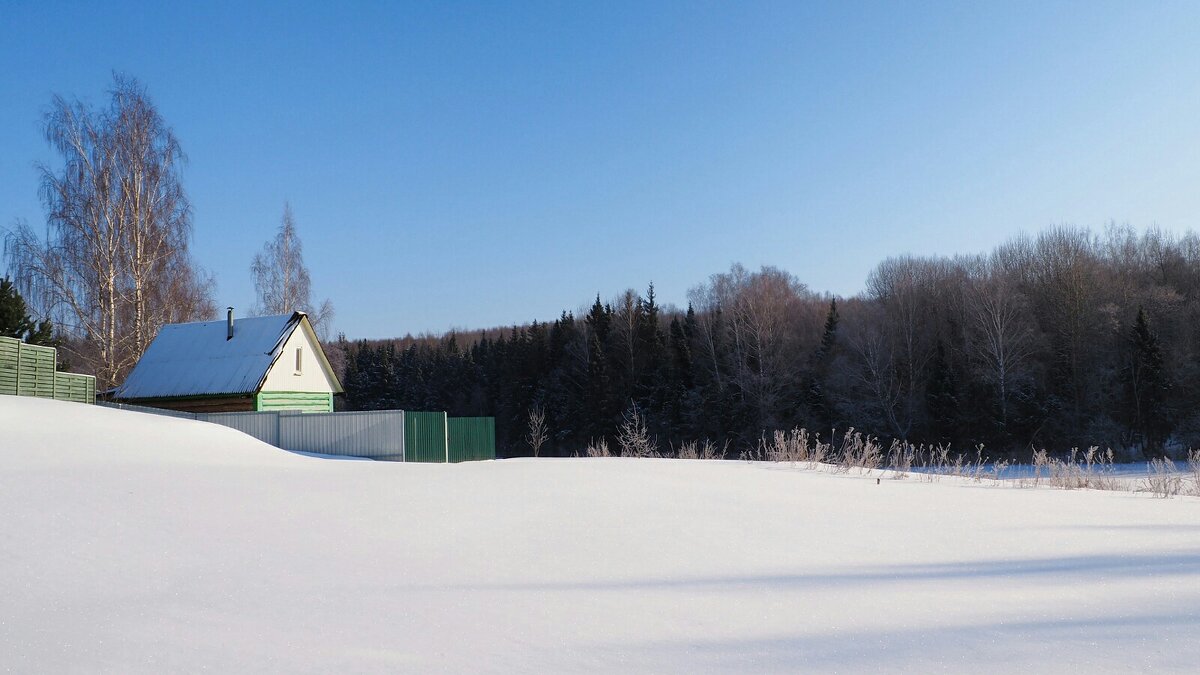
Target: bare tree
pixel 114 265
pixel 1003 337
pixel 281 278
pixel 625 321
pixel 632 435
pixel 905 288
pixel 709 329
pixel 538 434
pixel 768 319
pixel 1063 272
pixel 877 373
pixel 773 325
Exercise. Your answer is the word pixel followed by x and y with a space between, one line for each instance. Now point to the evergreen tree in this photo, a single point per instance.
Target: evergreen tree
pixel 819 411
pixel 564 387
pixel 15 321
pixel 601 401
pixel 651 387
pixel 941 398
pixel 1147 386
pixel 829 335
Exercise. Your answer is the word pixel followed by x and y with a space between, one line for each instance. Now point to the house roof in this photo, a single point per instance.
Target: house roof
pixel 195 359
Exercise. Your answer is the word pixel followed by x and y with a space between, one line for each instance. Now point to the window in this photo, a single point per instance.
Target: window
pixel 299 360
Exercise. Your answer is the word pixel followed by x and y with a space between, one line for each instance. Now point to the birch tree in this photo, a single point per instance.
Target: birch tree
pixel 114 265
pixel 281 280
pixel 768 319
pixel 902 287
pixel 1003 338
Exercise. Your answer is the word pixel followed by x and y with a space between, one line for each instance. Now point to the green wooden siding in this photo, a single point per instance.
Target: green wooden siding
pixel 31 370
pixel 35 371
pixel 9 347
pixel 424 436
pixel 72 387
pixel 471 438
pixel 313 402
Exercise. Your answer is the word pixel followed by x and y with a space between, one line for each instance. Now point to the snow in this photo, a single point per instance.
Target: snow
pixel 193 359
pixel 137 543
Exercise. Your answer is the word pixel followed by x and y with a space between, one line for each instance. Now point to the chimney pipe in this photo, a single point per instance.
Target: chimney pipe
pixel 229 325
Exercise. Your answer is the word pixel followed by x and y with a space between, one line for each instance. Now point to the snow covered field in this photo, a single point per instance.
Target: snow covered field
pixel 133 542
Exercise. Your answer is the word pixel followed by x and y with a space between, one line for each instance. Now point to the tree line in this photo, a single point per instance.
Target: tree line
pixel 1068 338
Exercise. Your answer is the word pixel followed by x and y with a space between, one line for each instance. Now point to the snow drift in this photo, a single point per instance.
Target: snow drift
pixel 132 542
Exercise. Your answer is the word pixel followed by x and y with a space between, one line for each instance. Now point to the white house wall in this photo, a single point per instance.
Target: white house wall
pixel 283 376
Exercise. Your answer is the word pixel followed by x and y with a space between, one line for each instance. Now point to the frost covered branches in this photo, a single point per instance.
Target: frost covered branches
pixel 538 434
pixel 632 436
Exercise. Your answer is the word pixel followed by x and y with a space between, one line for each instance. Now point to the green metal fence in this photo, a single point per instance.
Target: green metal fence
pixel 30 370
pixel 434 437
pixel 471 438
pixel 425 437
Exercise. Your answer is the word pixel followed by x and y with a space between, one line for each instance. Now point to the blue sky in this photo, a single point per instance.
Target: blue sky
pixel 467 165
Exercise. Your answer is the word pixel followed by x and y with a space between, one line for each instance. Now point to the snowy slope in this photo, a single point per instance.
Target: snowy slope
pixel 132 542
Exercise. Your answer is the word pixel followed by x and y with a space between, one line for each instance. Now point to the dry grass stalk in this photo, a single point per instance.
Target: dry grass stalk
pixel 1193 462
pixel 1162 479
pixel 598 449
pixel 705 449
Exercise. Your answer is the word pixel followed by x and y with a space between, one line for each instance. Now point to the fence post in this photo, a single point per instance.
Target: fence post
pixel 446 434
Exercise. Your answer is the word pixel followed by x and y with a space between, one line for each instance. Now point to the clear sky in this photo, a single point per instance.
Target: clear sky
pixel 468 165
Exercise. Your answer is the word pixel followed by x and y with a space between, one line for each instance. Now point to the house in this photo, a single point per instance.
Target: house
pixel 251 364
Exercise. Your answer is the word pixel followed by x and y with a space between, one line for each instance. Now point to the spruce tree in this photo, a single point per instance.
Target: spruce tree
pixel 941 398
pixel 651 387
pixel 15 321
pixel 1147 386
pixel 829 335
pixel 601 399
pixel 819 410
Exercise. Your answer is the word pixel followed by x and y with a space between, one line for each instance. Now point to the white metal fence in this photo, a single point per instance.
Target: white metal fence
pixel 376 434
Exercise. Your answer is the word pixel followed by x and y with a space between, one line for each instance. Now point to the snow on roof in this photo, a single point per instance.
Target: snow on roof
pixel 195 359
